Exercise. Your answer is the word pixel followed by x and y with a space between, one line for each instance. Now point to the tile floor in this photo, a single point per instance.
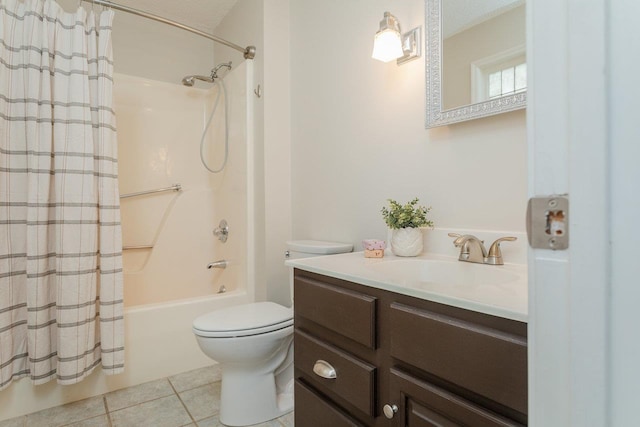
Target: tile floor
pixel 189 399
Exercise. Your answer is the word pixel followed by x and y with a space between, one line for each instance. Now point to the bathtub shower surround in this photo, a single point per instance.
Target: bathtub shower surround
pixel 61 305
pixel 160 130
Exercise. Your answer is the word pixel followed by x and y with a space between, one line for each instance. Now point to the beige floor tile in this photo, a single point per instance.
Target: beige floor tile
pixel 101 421
pixel 196 378
pixel 67 414
pixel 215 422
pixel 287 420
pixel 210 422
pixel 131 396
pixel 272 423
pixel 202 402
pixel 13 422
pixel 163 412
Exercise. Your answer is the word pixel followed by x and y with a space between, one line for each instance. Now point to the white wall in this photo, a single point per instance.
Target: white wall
pixel 265 24
pixel 277 147
pixel 358 135
pixel 153 50
pixel 243 26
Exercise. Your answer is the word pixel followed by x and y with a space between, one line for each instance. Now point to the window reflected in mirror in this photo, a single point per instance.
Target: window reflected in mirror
pixel 483 51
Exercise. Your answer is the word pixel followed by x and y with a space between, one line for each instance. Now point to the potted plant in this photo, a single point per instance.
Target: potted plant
pixel 405 222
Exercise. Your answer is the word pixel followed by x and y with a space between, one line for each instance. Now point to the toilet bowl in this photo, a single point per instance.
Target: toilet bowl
pixel 253 343
pixel 250 342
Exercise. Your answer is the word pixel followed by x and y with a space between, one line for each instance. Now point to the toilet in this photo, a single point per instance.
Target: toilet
pixel 253 343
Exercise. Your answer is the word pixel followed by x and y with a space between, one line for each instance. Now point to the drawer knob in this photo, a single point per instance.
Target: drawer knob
pixel 389 410
pixel 324 369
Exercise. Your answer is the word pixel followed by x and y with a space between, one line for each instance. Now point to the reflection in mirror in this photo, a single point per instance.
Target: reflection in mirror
pixel 483 55
pixel 476 59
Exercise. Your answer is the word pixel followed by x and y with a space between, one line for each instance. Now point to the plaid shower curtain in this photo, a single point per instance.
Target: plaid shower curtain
pixel 61 308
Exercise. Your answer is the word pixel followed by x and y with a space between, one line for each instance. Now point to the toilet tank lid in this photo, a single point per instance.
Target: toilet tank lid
pixel 318 247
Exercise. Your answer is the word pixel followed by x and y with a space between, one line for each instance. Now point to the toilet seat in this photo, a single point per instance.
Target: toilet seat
pixel 243 320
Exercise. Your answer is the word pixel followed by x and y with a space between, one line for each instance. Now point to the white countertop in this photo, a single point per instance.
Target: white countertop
pixel 505 297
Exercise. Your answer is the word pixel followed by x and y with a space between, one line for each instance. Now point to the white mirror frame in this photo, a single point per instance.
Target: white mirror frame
pixel 435 115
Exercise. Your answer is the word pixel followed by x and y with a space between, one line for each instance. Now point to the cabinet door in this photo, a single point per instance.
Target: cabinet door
pixel 421 404
pixel 484 360
pixel 312 410
pixel 353 379
pixel 348 313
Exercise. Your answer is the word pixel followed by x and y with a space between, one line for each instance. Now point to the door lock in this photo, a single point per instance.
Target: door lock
pixel 548 222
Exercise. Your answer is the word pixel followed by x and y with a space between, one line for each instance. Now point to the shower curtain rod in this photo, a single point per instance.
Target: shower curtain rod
pixel 249 52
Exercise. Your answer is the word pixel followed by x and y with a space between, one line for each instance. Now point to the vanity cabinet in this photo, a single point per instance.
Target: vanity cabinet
pixel 362 354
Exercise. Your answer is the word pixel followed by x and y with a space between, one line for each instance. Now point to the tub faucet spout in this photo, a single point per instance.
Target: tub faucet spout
pixel 218 264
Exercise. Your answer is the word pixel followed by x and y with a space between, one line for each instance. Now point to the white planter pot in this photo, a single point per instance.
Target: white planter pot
pixel 406 241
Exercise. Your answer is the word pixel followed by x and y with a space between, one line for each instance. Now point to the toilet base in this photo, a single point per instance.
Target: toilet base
pixel 251 398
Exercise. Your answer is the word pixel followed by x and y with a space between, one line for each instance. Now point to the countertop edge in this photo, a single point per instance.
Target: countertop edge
pixel 303 264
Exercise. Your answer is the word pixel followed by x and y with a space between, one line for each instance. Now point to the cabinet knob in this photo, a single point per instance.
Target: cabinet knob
pixel 389 410
pixel 324 369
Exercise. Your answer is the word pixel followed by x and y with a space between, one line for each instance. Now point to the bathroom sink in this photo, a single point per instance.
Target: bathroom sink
pixel 418 272
pixel 499 290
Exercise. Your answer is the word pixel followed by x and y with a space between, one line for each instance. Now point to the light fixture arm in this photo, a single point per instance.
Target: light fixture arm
pixel 411 46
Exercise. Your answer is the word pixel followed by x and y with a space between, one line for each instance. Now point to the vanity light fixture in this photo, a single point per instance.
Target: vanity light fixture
pixel 390 43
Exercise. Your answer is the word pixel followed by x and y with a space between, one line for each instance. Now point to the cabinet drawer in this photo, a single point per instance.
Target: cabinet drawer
pixel 426 405
pixel 313 411
pixel 481 359
pixel 346 312
pixel 354 379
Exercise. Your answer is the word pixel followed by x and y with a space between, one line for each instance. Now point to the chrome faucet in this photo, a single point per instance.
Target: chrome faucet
pixel 218 264
pixel 472 249
pixel 495 254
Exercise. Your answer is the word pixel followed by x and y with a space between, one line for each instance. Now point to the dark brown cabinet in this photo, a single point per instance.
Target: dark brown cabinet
pixel 358 349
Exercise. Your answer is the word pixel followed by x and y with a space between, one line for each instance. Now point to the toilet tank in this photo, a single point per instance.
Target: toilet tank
pixel 297 249
pixel 308 248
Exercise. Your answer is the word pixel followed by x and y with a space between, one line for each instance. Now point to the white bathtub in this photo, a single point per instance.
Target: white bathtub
pixel 159 343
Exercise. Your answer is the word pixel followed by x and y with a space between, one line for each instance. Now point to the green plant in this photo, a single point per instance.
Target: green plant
pixel 406 216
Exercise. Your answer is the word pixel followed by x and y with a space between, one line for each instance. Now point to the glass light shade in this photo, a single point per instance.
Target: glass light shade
pixel 387 45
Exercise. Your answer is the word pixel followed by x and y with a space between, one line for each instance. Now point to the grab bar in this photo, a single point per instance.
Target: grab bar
pixel 176 187
pixel 127 248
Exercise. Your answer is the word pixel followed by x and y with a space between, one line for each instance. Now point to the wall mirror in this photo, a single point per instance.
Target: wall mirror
pixel 475 59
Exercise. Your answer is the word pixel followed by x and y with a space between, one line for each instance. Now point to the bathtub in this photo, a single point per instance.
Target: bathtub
pixel 159 343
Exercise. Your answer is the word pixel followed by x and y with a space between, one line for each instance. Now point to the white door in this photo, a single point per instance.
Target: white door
pixel 584 139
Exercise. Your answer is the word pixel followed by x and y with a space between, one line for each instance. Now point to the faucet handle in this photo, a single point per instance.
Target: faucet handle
pixel 495 254
pixel 222 231
pixel 464 251
pixel 455 236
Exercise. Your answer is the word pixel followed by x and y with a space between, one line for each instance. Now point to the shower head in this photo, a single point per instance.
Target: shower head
pixel 190 80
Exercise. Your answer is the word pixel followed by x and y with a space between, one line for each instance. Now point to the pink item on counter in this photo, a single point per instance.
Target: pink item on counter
pixel 373 244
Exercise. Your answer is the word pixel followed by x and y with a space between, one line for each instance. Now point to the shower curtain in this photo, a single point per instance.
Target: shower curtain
pixel 61 309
